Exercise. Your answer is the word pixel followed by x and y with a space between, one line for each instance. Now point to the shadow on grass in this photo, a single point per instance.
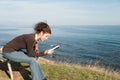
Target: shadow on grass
pixel 22 69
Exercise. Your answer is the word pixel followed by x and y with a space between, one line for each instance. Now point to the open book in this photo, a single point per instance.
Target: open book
pixel 52 49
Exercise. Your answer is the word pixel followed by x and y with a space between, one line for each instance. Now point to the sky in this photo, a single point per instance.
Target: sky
pixel 60 12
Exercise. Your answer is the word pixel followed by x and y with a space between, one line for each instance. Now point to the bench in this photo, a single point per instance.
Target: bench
pixel 2 59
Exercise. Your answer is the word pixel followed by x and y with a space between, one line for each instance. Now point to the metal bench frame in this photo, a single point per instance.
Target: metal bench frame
pixel 8 63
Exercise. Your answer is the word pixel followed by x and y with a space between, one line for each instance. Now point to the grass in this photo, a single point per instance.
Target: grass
pixel 64 71
pixel 61 71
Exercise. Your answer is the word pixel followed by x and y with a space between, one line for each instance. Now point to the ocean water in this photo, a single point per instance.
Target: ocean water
pixel 84 44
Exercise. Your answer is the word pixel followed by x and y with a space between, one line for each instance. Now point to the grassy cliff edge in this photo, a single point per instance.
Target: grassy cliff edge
pixel 63 71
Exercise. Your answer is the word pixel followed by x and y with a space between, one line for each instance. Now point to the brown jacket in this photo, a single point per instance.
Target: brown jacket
pixel 26 41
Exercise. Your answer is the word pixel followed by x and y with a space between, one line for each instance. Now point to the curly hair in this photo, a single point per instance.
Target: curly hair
pixel 42 26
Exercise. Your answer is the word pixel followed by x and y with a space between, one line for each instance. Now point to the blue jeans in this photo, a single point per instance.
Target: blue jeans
pixel 36 72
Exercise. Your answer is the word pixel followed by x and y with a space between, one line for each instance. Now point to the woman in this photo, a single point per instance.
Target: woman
pixel 13 49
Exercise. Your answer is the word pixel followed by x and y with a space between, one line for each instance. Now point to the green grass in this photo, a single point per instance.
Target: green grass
pixel 63 71
pixel 58 71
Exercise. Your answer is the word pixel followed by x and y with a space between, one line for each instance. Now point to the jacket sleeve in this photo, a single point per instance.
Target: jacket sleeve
pixel 30 48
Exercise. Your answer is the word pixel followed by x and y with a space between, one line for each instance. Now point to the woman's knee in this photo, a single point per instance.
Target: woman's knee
pixel 33 60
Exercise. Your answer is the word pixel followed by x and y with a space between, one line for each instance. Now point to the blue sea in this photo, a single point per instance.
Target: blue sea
pixel 84 44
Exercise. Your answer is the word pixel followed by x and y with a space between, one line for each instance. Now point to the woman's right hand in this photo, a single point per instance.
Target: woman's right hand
pixel 50 52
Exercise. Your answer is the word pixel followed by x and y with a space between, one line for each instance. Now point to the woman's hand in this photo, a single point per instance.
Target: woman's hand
pixel 48 52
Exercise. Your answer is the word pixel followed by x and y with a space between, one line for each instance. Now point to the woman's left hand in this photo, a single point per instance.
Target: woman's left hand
pixel 49 52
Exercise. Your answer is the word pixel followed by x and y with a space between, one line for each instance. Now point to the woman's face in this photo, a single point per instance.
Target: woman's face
pixel 44 36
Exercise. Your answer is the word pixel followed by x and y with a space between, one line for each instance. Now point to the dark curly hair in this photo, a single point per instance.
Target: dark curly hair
pixel 42 26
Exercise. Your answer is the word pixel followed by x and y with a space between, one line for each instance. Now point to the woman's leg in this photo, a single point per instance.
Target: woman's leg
pixel 37 73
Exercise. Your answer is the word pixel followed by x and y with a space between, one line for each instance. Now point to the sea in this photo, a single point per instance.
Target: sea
pixel 79 44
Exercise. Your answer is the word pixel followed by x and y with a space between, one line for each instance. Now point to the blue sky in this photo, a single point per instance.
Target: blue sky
pixel 60 12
